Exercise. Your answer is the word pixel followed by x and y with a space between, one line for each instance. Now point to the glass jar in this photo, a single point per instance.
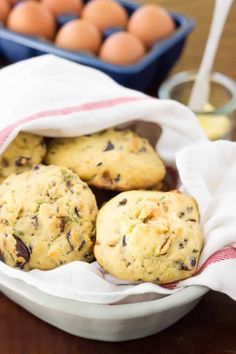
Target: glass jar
pixel 218 118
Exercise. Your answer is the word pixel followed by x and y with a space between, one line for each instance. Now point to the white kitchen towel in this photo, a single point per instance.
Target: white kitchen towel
pixel 54 97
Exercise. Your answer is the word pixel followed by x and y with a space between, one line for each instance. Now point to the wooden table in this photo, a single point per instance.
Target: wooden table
pixel 211 327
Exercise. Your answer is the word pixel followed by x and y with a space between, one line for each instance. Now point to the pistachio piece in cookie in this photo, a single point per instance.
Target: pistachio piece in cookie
pixel 149 236
pixel 112 159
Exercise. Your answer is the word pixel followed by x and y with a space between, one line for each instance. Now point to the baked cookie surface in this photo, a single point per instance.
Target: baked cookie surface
pixel 47 218
pixel 149 236
pixel 25 151
pixel 111 159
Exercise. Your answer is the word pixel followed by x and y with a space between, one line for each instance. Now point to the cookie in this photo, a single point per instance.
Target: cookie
pixel 47 218
pixel 24 152
pixel 111 159
pixel 149 236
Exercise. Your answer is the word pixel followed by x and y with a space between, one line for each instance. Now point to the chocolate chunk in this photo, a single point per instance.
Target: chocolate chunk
pixel 36 167
pixel 99 164
pixel 77 211
pixel 21 251
pixel 185 240
pixel 68 236
pixel 117 178
pixel 34 220
pixel 192 220
pixel 181 245
pixel 183 266
pixel 2 258
pixel 22 161
pixel 81 245
pixel 109 146
pixel 193 261
pixel 62 223
pixel 122 202
pixel 87 135
pixel 195 251
pixel 124 243
pixel 181 214
pixel 4 162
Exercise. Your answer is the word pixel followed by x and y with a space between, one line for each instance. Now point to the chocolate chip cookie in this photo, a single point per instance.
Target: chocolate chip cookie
pixel 149 236
pixel 47 218
pixel 24 152
pixel 111 159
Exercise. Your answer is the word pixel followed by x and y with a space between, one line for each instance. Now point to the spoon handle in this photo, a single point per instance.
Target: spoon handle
pixel 200 92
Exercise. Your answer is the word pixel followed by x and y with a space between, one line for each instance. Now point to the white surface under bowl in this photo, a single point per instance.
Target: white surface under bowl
pixel 103 322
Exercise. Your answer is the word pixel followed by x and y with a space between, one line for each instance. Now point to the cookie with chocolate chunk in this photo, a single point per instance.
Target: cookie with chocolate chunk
pixel 149 236
pixel 24 152
pixel 111 159
pixel 47 218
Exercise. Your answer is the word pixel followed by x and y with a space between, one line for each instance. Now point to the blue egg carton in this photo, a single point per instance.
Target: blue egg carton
pixel 152 69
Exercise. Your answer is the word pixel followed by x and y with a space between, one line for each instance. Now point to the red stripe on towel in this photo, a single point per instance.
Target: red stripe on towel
pixel 89 106
pixel 219 256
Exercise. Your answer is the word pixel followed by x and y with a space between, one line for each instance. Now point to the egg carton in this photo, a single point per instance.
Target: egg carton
pixel 147 73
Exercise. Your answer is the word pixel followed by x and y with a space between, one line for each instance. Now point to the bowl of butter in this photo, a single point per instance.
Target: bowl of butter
pixel 219 116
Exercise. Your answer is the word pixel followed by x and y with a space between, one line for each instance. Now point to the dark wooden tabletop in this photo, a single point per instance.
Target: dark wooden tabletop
pixel 211 327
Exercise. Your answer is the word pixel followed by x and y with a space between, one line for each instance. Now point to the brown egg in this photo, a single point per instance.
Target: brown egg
pixel 122 48
pixel 32 18
pixel 105 14
pixel 60 7
pixel 4 10
pixel 79 35
pixel 151 23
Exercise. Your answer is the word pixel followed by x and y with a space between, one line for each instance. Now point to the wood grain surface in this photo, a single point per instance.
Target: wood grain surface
pixel 211 327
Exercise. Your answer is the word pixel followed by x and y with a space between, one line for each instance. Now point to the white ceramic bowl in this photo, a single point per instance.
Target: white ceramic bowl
pixel 103 322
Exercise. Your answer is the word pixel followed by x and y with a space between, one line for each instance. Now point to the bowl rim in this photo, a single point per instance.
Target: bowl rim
pixel 164 91
pixel 104 311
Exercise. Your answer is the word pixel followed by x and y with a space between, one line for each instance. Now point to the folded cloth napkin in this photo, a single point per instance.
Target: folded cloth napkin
pixel 53 97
